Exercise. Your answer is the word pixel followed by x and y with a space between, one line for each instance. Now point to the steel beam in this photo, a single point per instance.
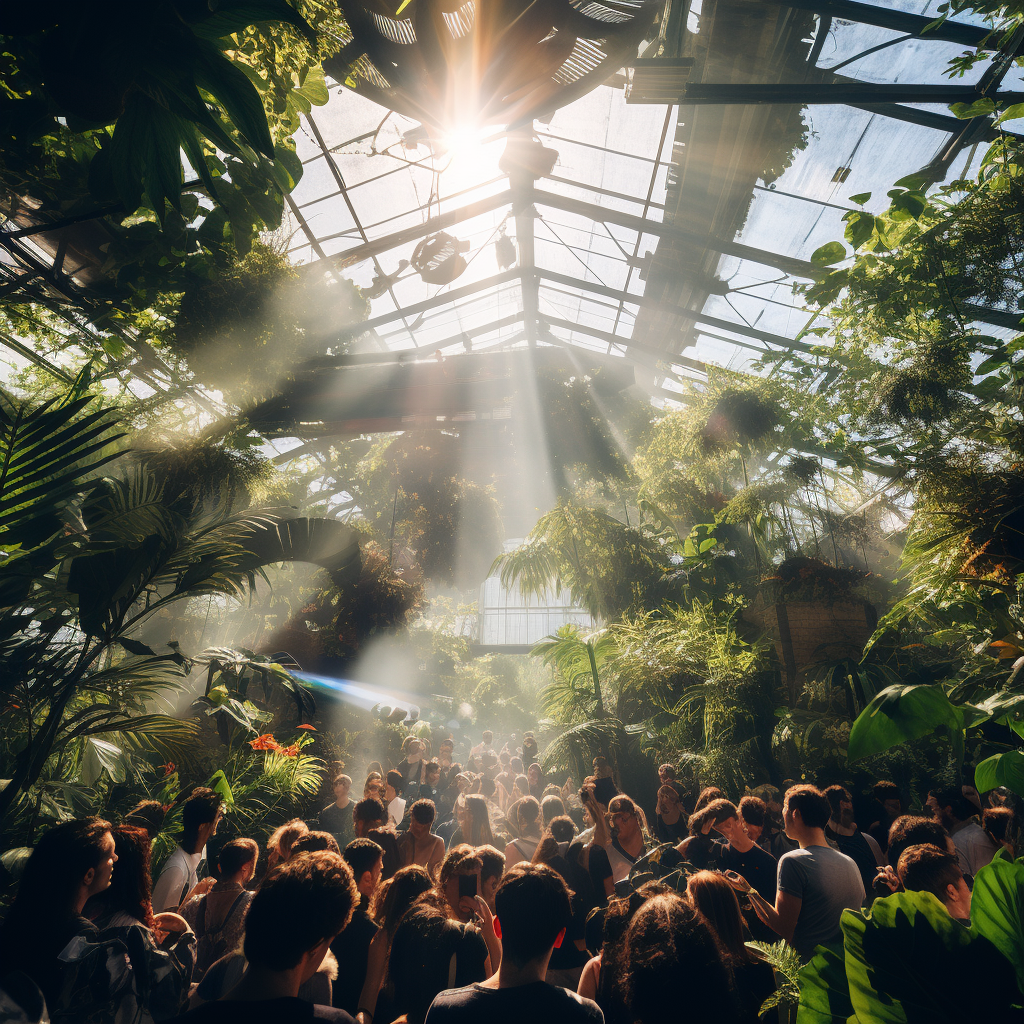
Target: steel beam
pixel 512 274
pixel 884 16
pixel 660 354
pixel 804 93
pixel 684 314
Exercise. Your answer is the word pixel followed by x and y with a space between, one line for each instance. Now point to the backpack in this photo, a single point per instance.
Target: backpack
pixel 212 945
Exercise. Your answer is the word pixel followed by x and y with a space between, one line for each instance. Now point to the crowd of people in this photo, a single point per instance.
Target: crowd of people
pixel 449 892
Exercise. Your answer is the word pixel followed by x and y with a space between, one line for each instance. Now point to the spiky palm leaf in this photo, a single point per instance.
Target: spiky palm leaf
pixel 46 451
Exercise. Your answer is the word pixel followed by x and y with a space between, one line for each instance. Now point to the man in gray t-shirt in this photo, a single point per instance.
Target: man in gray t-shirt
pixel 815 883
pixel 826 882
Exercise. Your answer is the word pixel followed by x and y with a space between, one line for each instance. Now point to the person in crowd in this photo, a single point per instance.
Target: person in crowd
pixel 371 822
pixel 714 897
pixel 754 812
pixel 459 887
pixel 843 833
pixel 974 846
pixel 889 804
pixel 670 818
pixel 412 765
pixel 474 822
pixel 505 776
pixel 73 861
pixel 738 852
pixel 667 777
pixel 148 815
pixel 705 797
pixel 533 913
pixel 298 912
pixel 200 816
pixel 998 823
pixel 623 849
pixel 913 830
pixel 926 868
pixel 551 807
pixel 374 781
pixel 535 780
pixel 352 947
pixel 314 841
pixel 430 789
pixel 485 746
pixel 492 867
pixel 530 752
pixel 418 845
pixel 773 836
pixel 528 825
pixel 408 884
pixel 563 828
pixel 336 818
pixel 673 959
pixel 394 786
pixel 815 883
pixel 160 949
pixel 218 917
pixel 279 845
pixel 429 953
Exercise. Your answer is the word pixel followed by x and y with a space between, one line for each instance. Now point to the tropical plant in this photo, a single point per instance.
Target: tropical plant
pixel 784 960
pixel 78 595
pixel 898 956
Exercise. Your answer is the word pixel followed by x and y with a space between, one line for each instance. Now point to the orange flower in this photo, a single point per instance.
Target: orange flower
pixel 292 751
pixel 265 742
pixel 311 728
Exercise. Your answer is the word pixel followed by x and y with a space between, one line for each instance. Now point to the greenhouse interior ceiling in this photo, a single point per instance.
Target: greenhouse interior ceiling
pixel 600 421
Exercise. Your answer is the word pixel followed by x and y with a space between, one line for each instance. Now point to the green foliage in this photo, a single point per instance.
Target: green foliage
pixel 823 992
pixel 785 962
pixel 902 713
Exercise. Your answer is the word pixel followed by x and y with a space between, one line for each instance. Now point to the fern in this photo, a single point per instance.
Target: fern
pixel 785 962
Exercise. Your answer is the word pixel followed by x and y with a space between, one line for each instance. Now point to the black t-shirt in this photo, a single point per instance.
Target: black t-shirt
pixel 352 950
pixel 757 866
pixel 338 821
pixel 671 833
pixel 263 1011
pixel 857 849
pixel 537 1001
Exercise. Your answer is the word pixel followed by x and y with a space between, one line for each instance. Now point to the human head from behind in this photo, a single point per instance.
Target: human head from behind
pixel 532 911
pixel 71 862
pixel 403 889
pixel 237 860
pixel 998 823
pixel 671 949
pixel 805 813
pixel 666 774
pixel 912 830
pixel 715 898
pixel 314 841
pixel 200 817
pixel 753 811
pixel 279 845
pixel 474 820
pixel 368 814
pixel 296 914
pixel 551 807
pixel 492 866
pixel 426 948
pixel 563 828
pixel 624 816
pixel 926 868
pixel 342 786
pixel 534 775
pixel 414 751
pixel 394 785
pixel 421 817
pixel 366 859
pixel 147 814
pixel 950 807
pixel 459 883
pixel 705 797
pixel 840 804
pixel 528 819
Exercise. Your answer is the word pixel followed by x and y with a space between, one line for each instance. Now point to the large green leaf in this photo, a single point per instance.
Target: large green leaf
pixel 902 713
pixel 232 16
pixel 145 154
pixel 824 990
pixel 1006 769
pixel 902 955
pixel 997 909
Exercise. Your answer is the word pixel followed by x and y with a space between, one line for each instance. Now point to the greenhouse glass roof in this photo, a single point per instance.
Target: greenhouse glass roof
pixel 667 233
